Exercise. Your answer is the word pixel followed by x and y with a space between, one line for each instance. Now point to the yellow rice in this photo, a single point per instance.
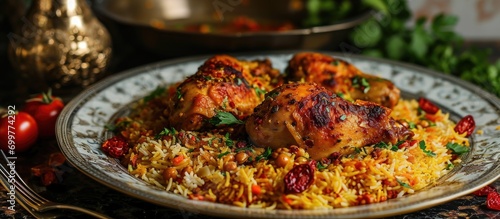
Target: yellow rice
pixel 359 178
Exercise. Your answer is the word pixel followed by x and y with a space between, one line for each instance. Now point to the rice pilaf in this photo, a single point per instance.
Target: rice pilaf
pixel 218 167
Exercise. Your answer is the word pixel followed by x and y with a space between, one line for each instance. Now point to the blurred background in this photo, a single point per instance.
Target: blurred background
pixel 458 37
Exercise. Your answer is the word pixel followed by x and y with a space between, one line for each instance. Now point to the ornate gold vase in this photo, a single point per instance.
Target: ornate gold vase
pixel 59 44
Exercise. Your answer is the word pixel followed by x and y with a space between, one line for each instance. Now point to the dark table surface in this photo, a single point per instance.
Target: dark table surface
pixel 76 188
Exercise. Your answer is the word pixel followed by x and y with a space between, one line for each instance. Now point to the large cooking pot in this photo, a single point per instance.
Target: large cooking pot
pixel 159 25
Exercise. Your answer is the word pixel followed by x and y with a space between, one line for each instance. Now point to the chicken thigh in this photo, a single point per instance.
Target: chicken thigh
pixel 341 77
pixel 316 119
pixel 221 84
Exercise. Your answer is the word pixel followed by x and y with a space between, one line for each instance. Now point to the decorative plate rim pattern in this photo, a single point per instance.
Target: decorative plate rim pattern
pixel 80 130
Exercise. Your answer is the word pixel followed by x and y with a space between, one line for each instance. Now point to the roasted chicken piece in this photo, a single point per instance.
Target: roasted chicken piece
pixel 314 118
pixel 341 77
pixel 221 84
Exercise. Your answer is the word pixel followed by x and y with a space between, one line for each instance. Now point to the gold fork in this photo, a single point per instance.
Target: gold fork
pixel 31 200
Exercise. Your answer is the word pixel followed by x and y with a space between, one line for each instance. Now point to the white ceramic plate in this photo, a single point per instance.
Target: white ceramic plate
pixel 80 131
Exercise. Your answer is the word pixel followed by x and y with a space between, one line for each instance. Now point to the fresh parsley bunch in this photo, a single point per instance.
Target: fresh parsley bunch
pixel 430 43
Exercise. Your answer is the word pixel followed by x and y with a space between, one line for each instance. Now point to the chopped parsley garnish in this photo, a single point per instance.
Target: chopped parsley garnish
pixel 165 132
pixel 211 140
pixel 335 62
pixel 412 125
pixel 267 153
pixel 259 91
pixel 320 166
pixel 388 146
pixel 272 94
pixel 110 127
pixel 228 141
pixel 341 95
pixel 239 81
pixel 178 93
pixel 450 166
pixel 224 118
pixel 207 78
pixel 457 148
pixel 250 149
pixel 357 150
pixel 361 83
pixel 223 154
pixel 406 185
pixel 156 93
pixel 422 146
pixel 343 117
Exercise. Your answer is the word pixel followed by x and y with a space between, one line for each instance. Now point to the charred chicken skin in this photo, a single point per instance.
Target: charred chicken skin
pixel 314 118
pixel 221 84
pixel 342 77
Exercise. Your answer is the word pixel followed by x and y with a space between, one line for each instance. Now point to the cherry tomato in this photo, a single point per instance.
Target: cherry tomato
pixel 427 106
pixel 45 108
pixel 466 124
pixel 18 132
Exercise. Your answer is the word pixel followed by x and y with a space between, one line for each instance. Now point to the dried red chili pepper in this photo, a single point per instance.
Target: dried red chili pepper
pixel 484 191
pixel 48 178
pixel 56 159
pixel 300 178
pixel 427 106
pixel 116 146
pixel 493 201
pixel 466 124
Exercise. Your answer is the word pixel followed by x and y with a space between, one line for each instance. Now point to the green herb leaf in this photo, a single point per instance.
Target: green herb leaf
pixel 457 148
pixel 223 154
pixel 156 93
pixel 228 141
pixel 422 146
pixel 110 127
pixel 178 93
pixel 224 118
pixel 320 166
pixel 361 83
pixel 406 185
pixel 267 153
pixel 343 117
pixel 259 91
pixel 412 125
pixel 165 132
